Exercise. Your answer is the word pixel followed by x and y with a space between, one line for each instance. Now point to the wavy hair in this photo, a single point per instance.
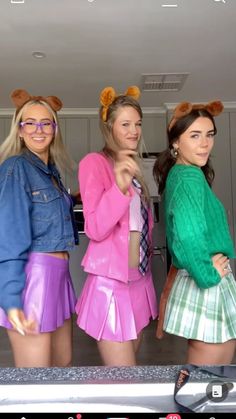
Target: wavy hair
pixel 165 159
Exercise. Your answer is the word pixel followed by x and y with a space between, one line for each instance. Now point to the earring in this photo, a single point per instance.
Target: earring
pixel 174 153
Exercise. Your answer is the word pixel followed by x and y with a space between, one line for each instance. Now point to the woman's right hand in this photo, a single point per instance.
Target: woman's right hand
pixel 19 322
pixel 125 169
pixel 221 264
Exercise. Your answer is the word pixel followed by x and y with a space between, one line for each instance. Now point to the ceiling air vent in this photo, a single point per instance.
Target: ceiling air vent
pixel 168 82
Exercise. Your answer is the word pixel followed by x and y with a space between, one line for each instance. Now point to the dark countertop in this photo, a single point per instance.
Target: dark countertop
pixel 83 375
pixel 90 389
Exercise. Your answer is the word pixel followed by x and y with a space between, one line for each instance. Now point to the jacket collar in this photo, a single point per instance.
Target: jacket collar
pixel 49 169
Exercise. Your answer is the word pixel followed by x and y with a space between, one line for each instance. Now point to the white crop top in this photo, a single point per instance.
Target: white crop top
pixel 135 216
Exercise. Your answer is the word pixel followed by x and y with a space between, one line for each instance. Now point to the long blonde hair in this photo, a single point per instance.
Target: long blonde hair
pixel 14 146
pixel 111 148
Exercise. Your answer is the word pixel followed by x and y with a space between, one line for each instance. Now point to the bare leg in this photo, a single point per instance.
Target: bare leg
pixel 137 342
pixel 43 349
pixel 117 353
pixel 62 345
pixel 200 353
pixel 31 350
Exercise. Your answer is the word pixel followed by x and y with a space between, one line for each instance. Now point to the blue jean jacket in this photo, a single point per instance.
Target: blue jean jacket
pixel 35 216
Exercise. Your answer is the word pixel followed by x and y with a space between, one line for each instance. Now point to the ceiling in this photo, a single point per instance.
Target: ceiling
pixel 90 45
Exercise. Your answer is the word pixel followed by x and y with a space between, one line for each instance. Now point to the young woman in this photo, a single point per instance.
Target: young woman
pixel 201 305
pixel 118 299
pixel 37 298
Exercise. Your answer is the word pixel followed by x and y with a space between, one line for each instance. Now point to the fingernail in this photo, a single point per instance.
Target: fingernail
pixel 20 331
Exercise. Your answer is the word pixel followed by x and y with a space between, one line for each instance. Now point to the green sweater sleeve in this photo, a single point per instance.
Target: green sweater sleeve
pixel 189 228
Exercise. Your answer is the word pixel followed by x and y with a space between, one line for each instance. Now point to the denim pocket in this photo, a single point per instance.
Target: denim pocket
pixel 46 204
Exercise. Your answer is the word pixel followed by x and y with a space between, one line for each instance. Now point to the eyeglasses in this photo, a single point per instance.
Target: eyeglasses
pixel 30 127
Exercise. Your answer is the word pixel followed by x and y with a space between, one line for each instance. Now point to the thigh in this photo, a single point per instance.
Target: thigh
pixel 30 351
pixel 117 354
pixel 62 345
pixel 137 342
pixel 200 353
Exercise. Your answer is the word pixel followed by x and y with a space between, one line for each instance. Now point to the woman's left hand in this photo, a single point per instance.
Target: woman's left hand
pixel 19 322
pixel 221 264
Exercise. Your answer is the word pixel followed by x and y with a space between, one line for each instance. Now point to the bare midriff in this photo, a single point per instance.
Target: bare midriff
pixel 60 255
pixel 134 249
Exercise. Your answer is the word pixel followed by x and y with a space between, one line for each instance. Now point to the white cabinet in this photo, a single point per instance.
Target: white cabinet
pixel 154 132
pixel 75 135
pixel 221 165
pixel 223 156
pixel 96 141
pixel 5 124
pixel 2 130
pixel 232 163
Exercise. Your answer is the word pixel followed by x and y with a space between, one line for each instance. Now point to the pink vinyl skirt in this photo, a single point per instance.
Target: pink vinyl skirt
pixel 113 310
pixel 48 296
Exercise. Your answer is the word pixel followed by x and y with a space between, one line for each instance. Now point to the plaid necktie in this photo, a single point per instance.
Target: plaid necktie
pixel 144 240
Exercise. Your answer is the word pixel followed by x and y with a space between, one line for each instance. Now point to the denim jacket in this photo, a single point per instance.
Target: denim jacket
pixel 35 216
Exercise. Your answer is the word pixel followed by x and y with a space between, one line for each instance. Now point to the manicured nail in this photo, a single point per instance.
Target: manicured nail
pixel 20 331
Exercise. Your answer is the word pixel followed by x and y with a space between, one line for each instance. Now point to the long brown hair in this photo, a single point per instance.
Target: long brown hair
pixel 166 159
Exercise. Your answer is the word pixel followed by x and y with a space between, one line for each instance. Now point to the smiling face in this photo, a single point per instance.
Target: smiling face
pixel 39 141
pixel 127 128
pixel 195 144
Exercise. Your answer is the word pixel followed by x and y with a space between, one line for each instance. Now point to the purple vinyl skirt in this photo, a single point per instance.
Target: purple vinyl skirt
pixel 113 310
pixel 48 297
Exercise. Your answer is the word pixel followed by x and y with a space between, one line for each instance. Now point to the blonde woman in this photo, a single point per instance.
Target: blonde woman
pixel 37 298
pixel 118 299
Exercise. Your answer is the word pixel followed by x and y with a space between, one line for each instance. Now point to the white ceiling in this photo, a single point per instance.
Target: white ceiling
pixel 112 42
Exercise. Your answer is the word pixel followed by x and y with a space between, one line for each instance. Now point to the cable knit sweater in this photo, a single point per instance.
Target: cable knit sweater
pixel 196 224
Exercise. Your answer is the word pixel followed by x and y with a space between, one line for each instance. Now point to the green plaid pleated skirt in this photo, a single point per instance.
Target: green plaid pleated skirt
pixel 208 315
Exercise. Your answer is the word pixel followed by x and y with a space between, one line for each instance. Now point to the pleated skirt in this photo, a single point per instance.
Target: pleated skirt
pixel 207 315
pixel 112 310
pixel 48 297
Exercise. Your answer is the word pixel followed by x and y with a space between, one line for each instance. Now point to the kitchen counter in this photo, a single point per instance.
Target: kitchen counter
pixel 94 389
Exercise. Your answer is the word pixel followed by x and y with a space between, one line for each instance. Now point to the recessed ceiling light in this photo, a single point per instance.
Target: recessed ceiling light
pixel 169 5
pixel 17 1
pixel 90 1
pixel 38 54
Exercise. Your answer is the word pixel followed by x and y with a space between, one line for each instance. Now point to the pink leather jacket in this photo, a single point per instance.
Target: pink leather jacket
pixel 106 214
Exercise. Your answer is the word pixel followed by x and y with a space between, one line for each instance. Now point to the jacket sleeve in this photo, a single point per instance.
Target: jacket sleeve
pixel 15 240
pixel 103 207
pixel 190 241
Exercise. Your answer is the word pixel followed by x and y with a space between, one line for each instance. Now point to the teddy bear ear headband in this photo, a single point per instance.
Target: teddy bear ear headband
pixel 20 97
pixel 184 108
pixel 108 95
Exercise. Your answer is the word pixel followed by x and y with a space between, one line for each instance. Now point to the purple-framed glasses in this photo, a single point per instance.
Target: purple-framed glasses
pixel 30 127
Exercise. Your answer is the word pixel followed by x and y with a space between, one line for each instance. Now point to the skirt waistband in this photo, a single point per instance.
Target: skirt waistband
pixel 47 259
pixel 134 274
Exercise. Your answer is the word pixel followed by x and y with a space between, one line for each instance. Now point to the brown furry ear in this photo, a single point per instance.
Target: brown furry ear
pixel 215 107
pixel 133 91
pixel 20 97
pixel 182 109
pixel 107 96
pixel 54 102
